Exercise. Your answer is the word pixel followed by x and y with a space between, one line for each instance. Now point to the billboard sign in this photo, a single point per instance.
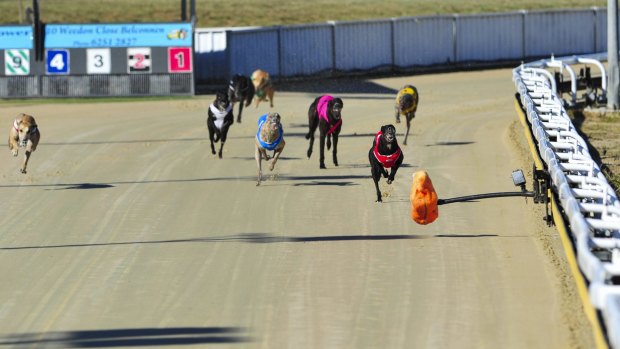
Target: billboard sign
pixel 118 35
pixel 15 37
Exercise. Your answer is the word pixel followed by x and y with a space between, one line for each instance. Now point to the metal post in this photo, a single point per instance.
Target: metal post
pixel 612 54
pixel 184 10
pixel 37 31
pixel 192 11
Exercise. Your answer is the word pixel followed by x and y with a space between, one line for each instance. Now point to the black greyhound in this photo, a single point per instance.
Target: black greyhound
pixel 219 119
pixel 385 153
pixel 240 89
pixel 325 113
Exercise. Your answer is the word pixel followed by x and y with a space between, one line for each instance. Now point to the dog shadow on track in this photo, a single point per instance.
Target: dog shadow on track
pixel 336 86
pixel 86 186
pixel 130 141
pixel 131 337
pixel 340 181
pixel 437 144
pixel 260 238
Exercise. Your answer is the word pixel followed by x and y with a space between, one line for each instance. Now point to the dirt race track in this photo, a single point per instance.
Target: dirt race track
pixel 127 232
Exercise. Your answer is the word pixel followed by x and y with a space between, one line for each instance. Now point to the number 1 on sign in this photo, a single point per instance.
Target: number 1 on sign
pixel 180 57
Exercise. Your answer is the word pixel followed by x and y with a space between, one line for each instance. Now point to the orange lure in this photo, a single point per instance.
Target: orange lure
pixel 423 199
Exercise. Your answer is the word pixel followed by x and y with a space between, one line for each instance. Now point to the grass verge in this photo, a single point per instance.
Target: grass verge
pixel 600 130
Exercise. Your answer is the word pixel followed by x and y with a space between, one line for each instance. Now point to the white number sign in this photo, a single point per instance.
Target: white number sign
pixel 139 60
pixel 98 61
pixel 17 62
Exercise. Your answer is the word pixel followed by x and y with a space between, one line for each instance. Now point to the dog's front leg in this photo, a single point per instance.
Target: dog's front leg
pixel 259 157
pixel 399 161
pixel 408 127
pixel 276 156
pixel 335 151
pixel 397 116
pixel 375 177
pixel 13 146
pixel 219 154
pixel 322 151
pixel 25 163
pixel 211 135
pixel 240 111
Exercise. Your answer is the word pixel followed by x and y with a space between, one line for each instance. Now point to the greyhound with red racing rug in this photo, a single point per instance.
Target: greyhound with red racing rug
pixel 384 154
pixel 325 113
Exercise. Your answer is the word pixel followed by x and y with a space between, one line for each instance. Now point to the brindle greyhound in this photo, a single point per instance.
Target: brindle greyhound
pixel 407 104
pixel 270 136
pixel 24 133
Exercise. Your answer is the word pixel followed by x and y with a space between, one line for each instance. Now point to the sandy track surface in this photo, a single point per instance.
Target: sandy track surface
pixel 127 232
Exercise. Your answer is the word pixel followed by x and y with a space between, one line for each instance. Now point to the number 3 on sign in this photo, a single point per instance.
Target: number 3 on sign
pixel 98 61
pixel 57 62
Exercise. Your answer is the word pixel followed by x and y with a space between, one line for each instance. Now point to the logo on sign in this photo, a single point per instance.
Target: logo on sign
pixel 179 59
pixel 139 60
pixel 98 61
pixel 17 62
pixel 57 62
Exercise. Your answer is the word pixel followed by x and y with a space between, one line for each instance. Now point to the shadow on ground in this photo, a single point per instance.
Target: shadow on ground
pixel 130 337
pixel 262 238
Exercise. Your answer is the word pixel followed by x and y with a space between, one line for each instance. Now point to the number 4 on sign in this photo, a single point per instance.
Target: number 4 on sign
pixel 57 62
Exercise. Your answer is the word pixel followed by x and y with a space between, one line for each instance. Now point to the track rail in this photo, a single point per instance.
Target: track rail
pixel 587 202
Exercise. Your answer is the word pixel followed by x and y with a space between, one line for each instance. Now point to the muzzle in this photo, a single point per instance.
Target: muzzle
pixel 24 137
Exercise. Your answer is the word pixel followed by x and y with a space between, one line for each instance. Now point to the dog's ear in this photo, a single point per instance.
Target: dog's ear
pixel 383 128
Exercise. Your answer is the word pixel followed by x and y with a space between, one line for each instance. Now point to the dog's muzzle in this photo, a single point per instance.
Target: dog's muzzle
pixel 22 143
pixel 26 137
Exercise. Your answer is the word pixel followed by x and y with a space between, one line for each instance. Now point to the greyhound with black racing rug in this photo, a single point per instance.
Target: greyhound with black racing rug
pixel 384 154
pixel 325 113
pixel 219 119
pixel 240 89
pixel 407 104
pixel 269 136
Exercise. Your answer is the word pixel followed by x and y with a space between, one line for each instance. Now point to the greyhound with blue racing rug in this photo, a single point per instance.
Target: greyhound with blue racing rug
pixel 269 137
